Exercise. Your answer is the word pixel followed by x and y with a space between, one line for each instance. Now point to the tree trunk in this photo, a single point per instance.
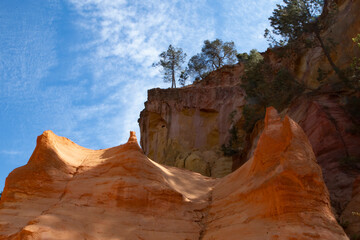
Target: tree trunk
pixel 327 54
pixel 173 83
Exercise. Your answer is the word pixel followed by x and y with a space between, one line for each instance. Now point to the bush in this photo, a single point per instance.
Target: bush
pixel 267 87
pixel 252 114
pixel 235 143
pixel 233 146
pixel 283 89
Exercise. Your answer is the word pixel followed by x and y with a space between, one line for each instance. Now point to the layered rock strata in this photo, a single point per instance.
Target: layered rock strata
pixel 186 127
pixel 328 128
pixel 350 217
pixel 69 192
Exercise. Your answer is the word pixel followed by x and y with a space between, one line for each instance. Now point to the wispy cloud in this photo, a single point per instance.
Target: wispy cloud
pixel 82 67
pixel 10 152
pixel 246 21
pixel 126 37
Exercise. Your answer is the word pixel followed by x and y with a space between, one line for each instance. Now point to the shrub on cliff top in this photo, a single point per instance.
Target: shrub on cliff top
pixel 214 55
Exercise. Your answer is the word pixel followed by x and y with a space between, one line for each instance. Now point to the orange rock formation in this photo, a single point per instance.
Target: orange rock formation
pixel 70 192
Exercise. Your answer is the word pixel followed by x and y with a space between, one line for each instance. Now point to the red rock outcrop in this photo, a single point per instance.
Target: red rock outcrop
pixel 327 125
pixel 69 192
pixel 351 215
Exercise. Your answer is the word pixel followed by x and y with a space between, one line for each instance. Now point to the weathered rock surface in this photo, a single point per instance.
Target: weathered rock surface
pixel 351 215
pixel 185 127
pixel 206 106
pixel 69 192
pixel 321 115
pixel 263 198
pixel 327 125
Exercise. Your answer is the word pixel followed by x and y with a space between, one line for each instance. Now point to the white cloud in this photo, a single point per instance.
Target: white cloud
pixel 11 152
pixel 127 37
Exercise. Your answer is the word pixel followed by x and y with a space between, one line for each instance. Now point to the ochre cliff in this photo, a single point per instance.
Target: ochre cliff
pixel 186 127
pixel 69 192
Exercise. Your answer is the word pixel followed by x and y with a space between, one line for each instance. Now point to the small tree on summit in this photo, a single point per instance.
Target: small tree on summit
pixel 171 61
pixel 197 66
pixel 213 56
pixel 217 53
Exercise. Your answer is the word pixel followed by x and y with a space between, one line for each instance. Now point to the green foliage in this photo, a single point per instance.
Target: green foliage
pixel 265 87
pixel 183 77
pixel 284 88
pixel 171 62
pixel 293 19
pixel 354 79
pixel 253 59
pixel 296 18
pixel 262 87
pixel 250 60
pixel 357 40
pixel 234 144
pixel 197 66
pixel 252 114
pixel 218 53
pixel 213 56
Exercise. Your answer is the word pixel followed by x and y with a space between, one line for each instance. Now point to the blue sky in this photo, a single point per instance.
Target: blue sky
pixel 81 68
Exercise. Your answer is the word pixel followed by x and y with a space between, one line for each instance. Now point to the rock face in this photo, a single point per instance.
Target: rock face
pixel 274 192
pixel 351 215
pixel 321 114
pixel 197 118
pixel 327 125
pixel 69 192
pixel 186 127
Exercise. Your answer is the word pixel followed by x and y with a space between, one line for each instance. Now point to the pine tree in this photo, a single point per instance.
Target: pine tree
pixel 171 61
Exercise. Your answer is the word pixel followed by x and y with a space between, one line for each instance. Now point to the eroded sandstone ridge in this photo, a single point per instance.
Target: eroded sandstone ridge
pixel 70 192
